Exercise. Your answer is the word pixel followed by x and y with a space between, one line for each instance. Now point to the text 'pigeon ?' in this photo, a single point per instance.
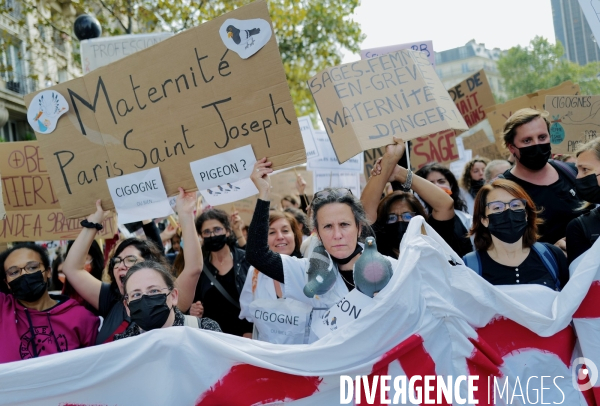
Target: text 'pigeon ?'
pixel 372 271
pixel 245 37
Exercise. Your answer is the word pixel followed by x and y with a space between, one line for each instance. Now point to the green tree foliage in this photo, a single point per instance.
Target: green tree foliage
pixel 541 66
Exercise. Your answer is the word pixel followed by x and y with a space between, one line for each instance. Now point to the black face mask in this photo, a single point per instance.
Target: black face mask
pixel 534 157
pixel 215 243
pixel 28 287
pixel 344 261
pixel 394 233
pixel 150 312
pixel 476 185
pixel 508 226
pixel 588 189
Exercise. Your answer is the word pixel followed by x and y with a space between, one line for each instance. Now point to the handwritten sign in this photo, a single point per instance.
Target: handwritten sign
pixel 472 96
pixel 334 179
pixel 480 145
pixel 308 136
pixel 328 160
pixel 364 104
pixel 498 114
pixel 574 120
pixel 220 169
pixel 183 99
pixel 229 192
pixel 353 306
pixel 422 46
pixel 99 52
pixel 439 147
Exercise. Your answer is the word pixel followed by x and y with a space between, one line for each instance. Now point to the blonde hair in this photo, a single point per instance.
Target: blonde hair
pixel 519 118
pixel 593 145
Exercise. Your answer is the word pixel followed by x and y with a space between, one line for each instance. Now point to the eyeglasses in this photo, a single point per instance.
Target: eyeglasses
pixel 515 204
pixel 335 192
pixel 406 217
pixel 128 261
pixel 215 231
pixel 31 267
pixel 138 295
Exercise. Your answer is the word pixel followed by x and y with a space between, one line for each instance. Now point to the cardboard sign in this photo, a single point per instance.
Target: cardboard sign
pixel 370 157
pixel 480 145
pixel 498 114
pixel 229 192
pixel 334 179
pixel 439 147
pixel 99 52
pixel 364 104
pixel 220 169
pixel 472 96
pixel 284 183
pixel 327 160
pixel 574 120
pixel 2 209
pixel 422 46
pixel 186 98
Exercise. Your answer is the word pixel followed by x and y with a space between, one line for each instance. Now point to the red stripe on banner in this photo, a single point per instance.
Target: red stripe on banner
pixel 590 396
pixel 484 362
pixel 246 385
pixel 590 306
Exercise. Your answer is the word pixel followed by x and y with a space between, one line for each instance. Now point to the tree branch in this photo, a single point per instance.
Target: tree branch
pixel 113 14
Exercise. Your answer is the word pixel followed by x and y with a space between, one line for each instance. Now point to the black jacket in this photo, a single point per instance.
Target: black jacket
pixel 240 268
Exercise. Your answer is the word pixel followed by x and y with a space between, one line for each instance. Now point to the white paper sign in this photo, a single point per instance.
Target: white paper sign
pixel 354 305
pixel 327 159
pixel 423 46
pixel 45 110
pixel 139 196
pixel 220 169
pixel 245 37
pixel 99 52
pixel 308 136
pixel 334 179
pixel 229 192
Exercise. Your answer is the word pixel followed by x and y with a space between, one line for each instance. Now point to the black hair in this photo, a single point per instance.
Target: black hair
pixel 459 203
pixel 222 217
pixel 300 217
pixel 42 252
pixel 56 283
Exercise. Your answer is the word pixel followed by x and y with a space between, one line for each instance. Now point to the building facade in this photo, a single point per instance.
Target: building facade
pixel 34 56
pixel 573 31
pixel 455 65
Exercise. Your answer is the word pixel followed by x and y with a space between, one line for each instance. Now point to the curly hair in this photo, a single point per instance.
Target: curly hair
pixel 465 179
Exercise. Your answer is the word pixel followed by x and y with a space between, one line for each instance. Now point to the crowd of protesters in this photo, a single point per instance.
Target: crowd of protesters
pixel 512 223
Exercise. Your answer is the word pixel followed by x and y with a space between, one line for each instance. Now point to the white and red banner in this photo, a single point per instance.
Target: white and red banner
pixel 433 318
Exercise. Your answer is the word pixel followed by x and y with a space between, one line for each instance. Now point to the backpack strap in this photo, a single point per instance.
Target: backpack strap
pixel 565 168
pixel 473 261
pixel 548 259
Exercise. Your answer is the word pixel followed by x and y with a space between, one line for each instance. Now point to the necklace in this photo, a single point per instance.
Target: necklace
pixel 345 280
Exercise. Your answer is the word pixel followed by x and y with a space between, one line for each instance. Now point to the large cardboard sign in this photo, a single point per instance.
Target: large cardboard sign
pixel 472 96
pixel 574 120
pixel 284 183
pixel 183 99
pixel 364 104
pixel 422 46
pixel 498 114
pixel 33 212
pixel 439 147
pixel 480 145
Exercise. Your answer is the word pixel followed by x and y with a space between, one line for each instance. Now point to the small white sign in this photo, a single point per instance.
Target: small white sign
pixel 334 179
pixel 245 37
pixel 229 192
pixel 220 169
pixel 308 136
pixel 327 159
pixel 423 46
pixel 139 196
pixel 45 109
pixel 354 305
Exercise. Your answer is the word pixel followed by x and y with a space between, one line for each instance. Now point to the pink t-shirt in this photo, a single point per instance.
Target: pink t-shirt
pixel 66 326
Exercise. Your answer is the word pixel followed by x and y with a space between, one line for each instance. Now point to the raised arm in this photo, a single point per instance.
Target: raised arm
pixel 82 281
pixel 153 233
pixel 258 253
pixel 192 254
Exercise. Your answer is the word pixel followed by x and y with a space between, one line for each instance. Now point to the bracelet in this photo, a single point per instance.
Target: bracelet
pixel 407 185
pixel 88 224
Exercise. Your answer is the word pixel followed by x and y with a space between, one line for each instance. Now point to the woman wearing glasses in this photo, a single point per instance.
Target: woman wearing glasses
pixel 107 297
pixel 505 226
pixel 151 301
pixel 223 276
pixel 391 215
pixel 338 219
pixel 34 323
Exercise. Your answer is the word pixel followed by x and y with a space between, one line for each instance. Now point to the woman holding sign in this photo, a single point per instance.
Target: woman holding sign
pixel 327 276
pixel 107 297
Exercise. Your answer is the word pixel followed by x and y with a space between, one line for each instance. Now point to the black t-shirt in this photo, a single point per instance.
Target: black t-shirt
pixel 221 310
pixel 558 203
pixel 577 240
pixel 531 271
pixel 112 310
pixel 454 233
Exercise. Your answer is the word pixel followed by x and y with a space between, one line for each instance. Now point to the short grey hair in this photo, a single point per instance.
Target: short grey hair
pixel 360 217
pixel 490 167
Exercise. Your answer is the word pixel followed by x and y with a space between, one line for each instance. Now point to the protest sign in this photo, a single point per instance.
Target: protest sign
pixel 481 146
pixel 422 46
pixel 284 183
pixel 370 157
pixel 186 98
pixel 345 311
pixel 498 114
pixel 439 147
pixel 574 120
pixel 229 192
pixel 328 161
pixel 308 136
pixel 335 179
pixel 2 209
pixel 224 168
pixel 472 96
pixel 365 104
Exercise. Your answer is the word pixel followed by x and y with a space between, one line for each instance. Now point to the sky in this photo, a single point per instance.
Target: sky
pixel 453 23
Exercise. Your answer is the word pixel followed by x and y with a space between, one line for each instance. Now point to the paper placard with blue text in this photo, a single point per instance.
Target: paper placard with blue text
pixel 327 159
pixel 185 98
pixel 573 120
pixel 365 104
pixel 422 46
